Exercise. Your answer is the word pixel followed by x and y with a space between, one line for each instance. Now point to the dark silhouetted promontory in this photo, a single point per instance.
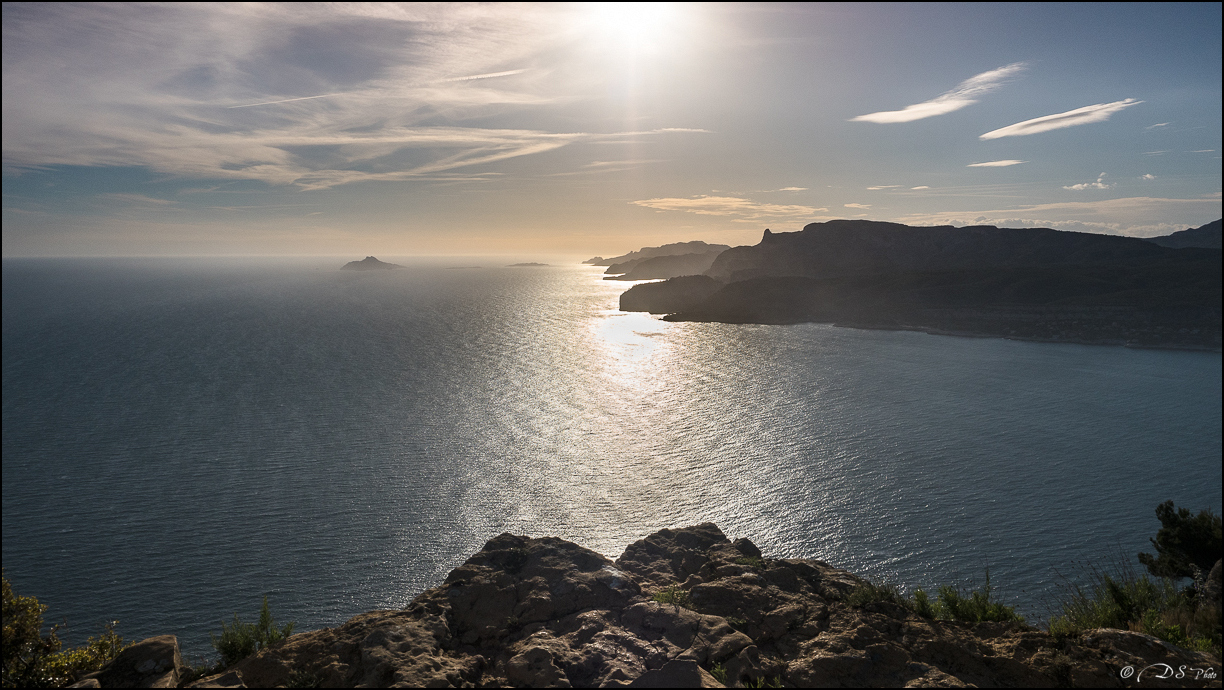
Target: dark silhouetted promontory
pixel 626 262
pixel 1206 236
pixel 1030 283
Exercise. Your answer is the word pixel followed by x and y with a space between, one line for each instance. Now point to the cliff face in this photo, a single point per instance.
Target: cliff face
pixel 849 247
pixel 1037 284
pixel 549 613
pixel 1206 236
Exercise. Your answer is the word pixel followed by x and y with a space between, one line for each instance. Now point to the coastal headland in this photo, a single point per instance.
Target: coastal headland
pixel 1022 283
pixel 680 608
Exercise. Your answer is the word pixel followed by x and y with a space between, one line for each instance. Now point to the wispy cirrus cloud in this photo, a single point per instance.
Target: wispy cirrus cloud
pixel 1072 118
pixel 885 186
pixel 966 93
pixel 920 187
pixel 862 206
pixel 1157 126
pixel 345 93
pixel 736 208
pixel 1099 184
pixel 137 199
pixel 995 164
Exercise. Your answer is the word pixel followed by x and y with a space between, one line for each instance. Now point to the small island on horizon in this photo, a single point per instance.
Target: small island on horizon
pixel 368 264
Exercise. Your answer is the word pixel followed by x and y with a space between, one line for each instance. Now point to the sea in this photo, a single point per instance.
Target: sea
pixel 183 437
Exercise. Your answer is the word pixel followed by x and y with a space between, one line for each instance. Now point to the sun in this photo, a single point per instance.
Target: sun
pixel 634 24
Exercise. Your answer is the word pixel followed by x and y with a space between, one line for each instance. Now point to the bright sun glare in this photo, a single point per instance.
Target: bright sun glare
pixel 634 24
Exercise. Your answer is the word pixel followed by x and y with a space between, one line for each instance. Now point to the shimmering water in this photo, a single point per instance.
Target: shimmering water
pixel 183 437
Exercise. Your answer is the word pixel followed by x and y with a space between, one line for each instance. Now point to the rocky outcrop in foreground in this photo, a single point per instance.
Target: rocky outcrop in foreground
pixel 549 613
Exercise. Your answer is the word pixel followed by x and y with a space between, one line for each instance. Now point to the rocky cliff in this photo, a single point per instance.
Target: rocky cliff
pixel 1028 283
pixel 1206 236
pixel 545 612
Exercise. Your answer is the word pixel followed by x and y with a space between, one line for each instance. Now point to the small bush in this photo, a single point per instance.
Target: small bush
pixel 950 604
pixel 752 562
pixel 241 640
pixel 868 593
pixel 974 607
pixel 672 594
pixel 35 660
pixel 1128 601
pixel 720 673
pixel 922 605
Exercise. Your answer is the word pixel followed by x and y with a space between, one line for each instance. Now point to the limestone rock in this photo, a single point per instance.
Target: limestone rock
pixel 548 613
pixel 152 663
pixel 232 679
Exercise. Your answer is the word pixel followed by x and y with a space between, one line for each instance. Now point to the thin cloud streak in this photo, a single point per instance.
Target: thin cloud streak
pixel 737 208
pixel 1072 118
pixel 287 100
pixel 965 94
pixel 995 164
pixel 480 76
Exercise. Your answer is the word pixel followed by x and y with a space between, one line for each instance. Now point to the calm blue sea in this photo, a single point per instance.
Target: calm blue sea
pixel 183 437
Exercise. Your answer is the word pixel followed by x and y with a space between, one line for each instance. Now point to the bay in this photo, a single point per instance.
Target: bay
pixel 182 437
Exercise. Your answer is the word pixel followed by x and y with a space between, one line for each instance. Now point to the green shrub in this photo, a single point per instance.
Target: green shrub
pixel 869 593
pixel 1128 601
pixel 720 673
pixel 950 604
pixel 752 562
pixel 672 594
pixel 922 605
pixel 241 640
pixel 32 659
pixel 1184 542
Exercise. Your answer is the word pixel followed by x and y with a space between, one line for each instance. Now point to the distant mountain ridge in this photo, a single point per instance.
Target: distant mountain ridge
pixel 626 262
pixel 1206 236
pixel 1032 283
pixel 670 266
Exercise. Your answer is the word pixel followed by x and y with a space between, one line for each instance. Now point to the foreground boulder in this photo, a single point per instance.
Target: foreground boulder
pixel 152 663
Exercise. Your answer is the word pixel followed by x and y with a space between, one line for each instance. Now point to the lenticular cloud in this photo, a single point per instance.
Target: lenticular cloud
pixel 1080 116
pixel 963 95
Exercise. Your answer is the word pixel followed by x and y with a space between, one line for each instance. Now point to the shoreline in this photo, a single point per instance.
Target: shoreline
pixel 965 334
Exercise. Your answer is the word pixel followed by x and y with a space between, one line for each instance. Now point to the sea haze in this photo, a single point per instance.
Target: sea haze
pixel 182 437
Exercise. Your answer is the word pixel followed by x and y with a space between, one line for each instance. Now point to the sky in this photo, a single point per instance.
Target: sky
pixel 590 128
